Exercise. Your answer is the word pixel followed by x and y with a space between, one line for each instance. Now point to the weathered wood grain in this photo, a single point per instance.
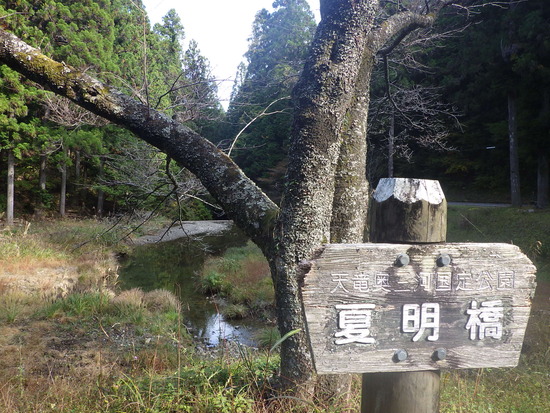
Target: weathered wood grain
pixel 359 274
pixel 408 210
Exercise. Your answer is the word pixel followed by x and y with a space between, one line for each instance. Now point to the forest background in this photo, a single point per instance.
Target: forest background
pixel 467 103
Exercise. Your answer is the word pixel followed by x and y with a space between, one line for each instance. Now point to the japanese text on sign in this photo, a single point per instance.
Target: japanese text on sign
pixel 355 321
pixel 440 281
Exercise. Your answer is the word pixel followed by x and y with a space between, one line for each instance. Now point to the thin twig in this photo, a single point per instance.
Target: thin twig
pixel 260 115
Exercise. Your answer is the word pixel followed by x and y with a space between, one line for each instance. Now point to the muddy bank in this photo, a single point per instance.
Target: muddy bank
pixel 48 280
pixel 45 281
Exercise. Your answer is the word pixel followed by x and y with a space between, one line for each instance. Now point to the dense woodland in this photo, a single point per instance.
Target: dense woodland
pixel 466 102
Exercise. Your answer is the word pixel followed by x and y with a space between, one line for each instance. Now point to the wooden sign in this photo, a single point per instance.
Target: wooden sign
pixel 403 307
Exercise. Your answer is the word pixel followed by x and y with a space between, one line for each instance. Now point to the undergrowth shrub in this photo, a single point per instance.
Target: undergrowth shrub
pixel 242 276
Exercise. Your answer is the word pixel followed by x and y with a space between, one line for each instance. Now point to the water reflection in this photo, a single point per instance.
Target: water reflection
pixel 217 330
pixel 173 266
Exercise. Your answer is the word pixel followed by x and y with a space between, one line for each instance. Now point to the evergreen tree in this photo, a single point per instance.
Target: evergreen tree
pixel 477 79
pixel 275 55
pixel 112 40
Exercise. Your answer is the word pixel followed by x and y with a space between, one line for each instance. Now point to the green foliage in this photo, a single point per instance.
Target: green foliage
pixel 194 210
pixel 526 228
pixel 243 277
pixel 214 282
pixel 277 49
pixel 201 386
pixel 79 305
pixel 267 337
pixel 113 41
pixel 132 308
pixel 234 312
pixel 504 52
pixel 13 306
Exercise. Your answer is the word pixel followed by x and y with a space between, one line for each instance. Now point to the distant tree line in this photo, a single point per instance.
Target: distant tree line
pixel 60 157
pixel 440 101
pixel 465 101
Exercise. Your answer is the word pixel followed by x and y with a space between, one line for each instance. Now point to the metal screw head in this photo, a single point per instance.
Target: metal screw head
pixel 439 354
pixel 400 355
pixel 443 260
pixel 402 260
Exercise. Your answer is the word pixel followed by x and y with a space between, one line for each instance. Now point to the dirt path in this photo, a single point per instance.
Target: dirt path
pixel 186 229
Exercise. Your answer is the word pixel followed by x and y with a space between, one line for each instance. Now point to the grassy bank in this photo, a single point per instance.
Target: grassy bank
pixel 242 277
pixel 529 229
pixel 56 256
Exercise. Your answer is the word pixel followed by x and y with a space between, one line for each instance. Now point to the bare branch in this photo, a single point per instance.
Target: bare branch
pixel 262 114
pixel 65 113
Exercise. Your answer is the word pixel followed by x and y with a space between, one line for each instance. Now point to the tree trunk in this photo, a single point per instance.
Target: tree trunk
pixel 342 55
pixel 306 212
pixel 10 201
pixel 542 166
pixel 42 173
pixel 391 143
pixel 515 191
pixel 507 51
pixel 542 181
pixel 63 191
pixel 77 186
pixel 100 193
pixel 351 193
pixel 350 203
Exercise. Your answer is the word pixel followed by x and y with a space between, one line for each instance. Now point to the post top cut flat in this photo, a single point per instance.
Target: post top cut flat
pixel 409 190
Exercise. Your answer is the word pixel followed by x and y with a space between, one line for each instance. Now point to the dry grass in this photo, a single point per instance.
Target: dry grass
pixel 161 300
pixel 56 257
pixel 65 354
pixel 129 298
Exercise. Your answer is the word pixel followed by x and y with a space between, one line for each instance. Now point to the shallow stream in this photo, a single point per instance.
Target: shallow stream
pixel 173 266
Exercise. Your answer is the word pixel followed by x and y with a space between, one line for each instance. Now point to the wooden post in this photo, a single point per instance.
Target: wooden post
pixel 407 211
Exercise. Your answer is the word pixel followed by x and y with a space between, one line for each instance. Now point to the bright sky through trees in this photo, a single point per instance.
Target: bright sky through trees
pixel 221 28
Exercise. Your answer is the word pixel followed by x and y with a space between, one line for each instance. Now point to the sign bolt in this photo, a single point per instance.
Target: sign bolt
pixel 402 260
pixel 443 260
pixel 400 355
pixel 440 354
